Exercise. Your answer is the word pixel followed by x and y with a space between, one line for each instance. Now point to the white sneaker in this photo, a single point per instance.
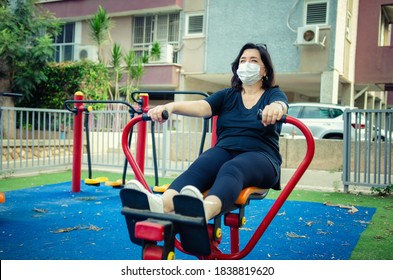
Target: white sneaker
pixel 192 191
pixel 155 201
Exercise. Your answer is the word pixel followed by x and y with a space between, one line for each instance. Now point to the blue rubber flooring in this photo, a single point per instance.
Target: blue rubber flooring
pixel 52 223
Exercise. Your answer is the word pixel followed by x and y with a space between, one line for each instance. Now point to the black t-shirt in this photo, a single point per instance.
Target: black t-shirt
pixel 238 128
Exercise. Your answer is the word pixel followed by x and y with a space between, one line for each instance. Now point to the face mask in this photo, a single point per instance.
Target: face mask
pixel 249 73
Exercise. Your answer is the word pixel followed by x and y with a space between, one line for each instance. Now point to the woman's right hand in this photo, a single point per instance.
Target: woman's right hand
pixel 156 113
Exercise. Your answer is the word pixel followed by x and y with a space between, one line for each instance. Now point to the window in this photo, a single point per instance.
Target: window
pixel 163 28
pixel 194 25
pixel 64 43
pixel 348 26
pixel 385 28
pixel 294 111
pixel 315 113
pixel 348 21
pixel 336 113
pixel 316 13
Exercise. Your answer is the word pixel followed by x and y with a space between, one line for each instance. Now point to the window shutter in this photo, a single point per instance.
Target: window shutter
pixel 316 13
pixel 195 24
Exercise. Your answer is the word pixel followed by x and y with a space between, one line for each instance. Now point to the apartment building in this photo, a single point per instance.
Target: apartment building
pixel 313 43
pixel 374 55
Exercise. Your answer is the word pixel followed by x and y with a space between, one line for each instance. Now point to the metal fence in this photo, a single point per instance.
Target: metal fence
pixel 176 143
pixel 41 139
pixel 367 158
pixel 34 139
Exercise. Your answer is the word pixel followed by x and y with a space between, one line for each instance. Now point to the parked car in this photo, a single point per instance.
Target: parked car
pixel 324 120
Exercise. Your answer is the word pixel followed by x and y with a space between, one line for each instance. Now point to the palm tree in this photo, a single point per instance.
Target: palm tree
pixel 130 60
pixel 134 69
pixel 117 57
pixel 100 26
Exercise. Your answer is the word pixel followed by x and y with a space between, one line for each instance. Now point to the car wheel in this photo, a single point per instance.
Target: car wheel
pixel 334 137
pixel 382 139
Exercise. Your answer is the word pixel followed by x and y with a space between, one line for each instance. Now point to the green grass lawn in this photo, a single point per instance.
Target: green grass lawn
pixel 376 242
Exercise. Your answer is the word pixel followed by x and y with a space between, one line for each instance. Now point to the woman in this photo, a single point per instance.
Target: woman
pixel 247 149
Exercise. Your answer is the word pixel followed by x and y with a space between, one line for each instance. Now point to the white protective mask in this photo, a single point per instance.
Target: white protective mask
pixel 249 73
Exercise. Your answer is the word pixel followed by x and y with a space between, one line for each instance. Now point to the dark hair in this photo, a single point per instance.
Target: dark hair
pixel 267 82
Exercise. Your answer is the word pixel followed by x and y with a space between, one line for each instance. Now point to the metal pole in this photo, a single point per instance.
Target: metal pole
pixel 141 136
pixel 77 154
pixel 347 150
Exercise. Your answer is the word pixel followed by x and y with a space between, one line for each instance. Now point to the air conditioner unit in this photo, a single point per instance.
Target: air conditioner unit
pixel 166 53
pixel 308 35
pixel 89 52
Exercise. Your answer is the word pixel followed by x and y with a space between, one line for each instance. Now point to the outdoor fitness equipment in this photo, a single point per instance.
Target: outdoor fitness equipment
pixel 91 181
pixel 157 187
pixel 79 109
pixel 157 233
pixel 140 98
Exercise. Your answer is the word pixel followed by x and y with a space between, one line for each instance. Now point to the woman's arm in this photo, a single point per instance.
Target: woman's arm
pixel 197 108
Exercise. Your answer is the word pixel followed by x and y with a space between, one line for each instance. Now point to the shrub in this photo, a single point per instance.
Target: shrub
pixel 66 78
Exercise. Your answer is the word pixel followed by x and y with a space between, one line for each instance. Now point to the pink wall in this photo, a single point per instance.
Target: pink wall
pixel 374 64
pixel 83 8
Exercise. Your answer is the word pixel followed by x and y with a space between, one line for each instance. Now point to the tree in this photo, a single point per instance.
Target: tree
pixel 100 24
pixel 130 64
pixel 134 68
pixel 116 72
pixel 26 37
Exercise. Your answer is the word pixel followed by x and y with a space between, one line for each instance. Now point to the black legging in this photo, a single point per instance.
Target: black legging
pixel 226 173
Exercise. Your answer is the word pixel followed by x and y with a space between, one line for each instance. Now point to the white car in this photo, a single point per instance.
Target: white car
pixel 325 121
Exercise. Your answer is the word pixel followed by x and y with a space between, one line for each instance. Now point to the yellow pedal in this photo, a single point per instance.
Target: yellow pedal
pixel 93 182
pixel 96 181
pixel 161 189
pixel 102 179
pixel 114 184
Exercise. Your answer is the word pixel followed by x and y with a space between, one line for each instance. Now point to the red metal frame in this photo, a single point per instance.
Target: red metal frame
pixel 79 108
pixel 233 221
pixel 141 136
pixel 77 153
pixel 124 141
pixel 283 195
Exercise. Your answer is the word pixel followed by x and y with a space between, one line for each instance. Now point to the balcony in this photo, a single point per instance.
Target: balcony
pixel 162 76
pixel 85 8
